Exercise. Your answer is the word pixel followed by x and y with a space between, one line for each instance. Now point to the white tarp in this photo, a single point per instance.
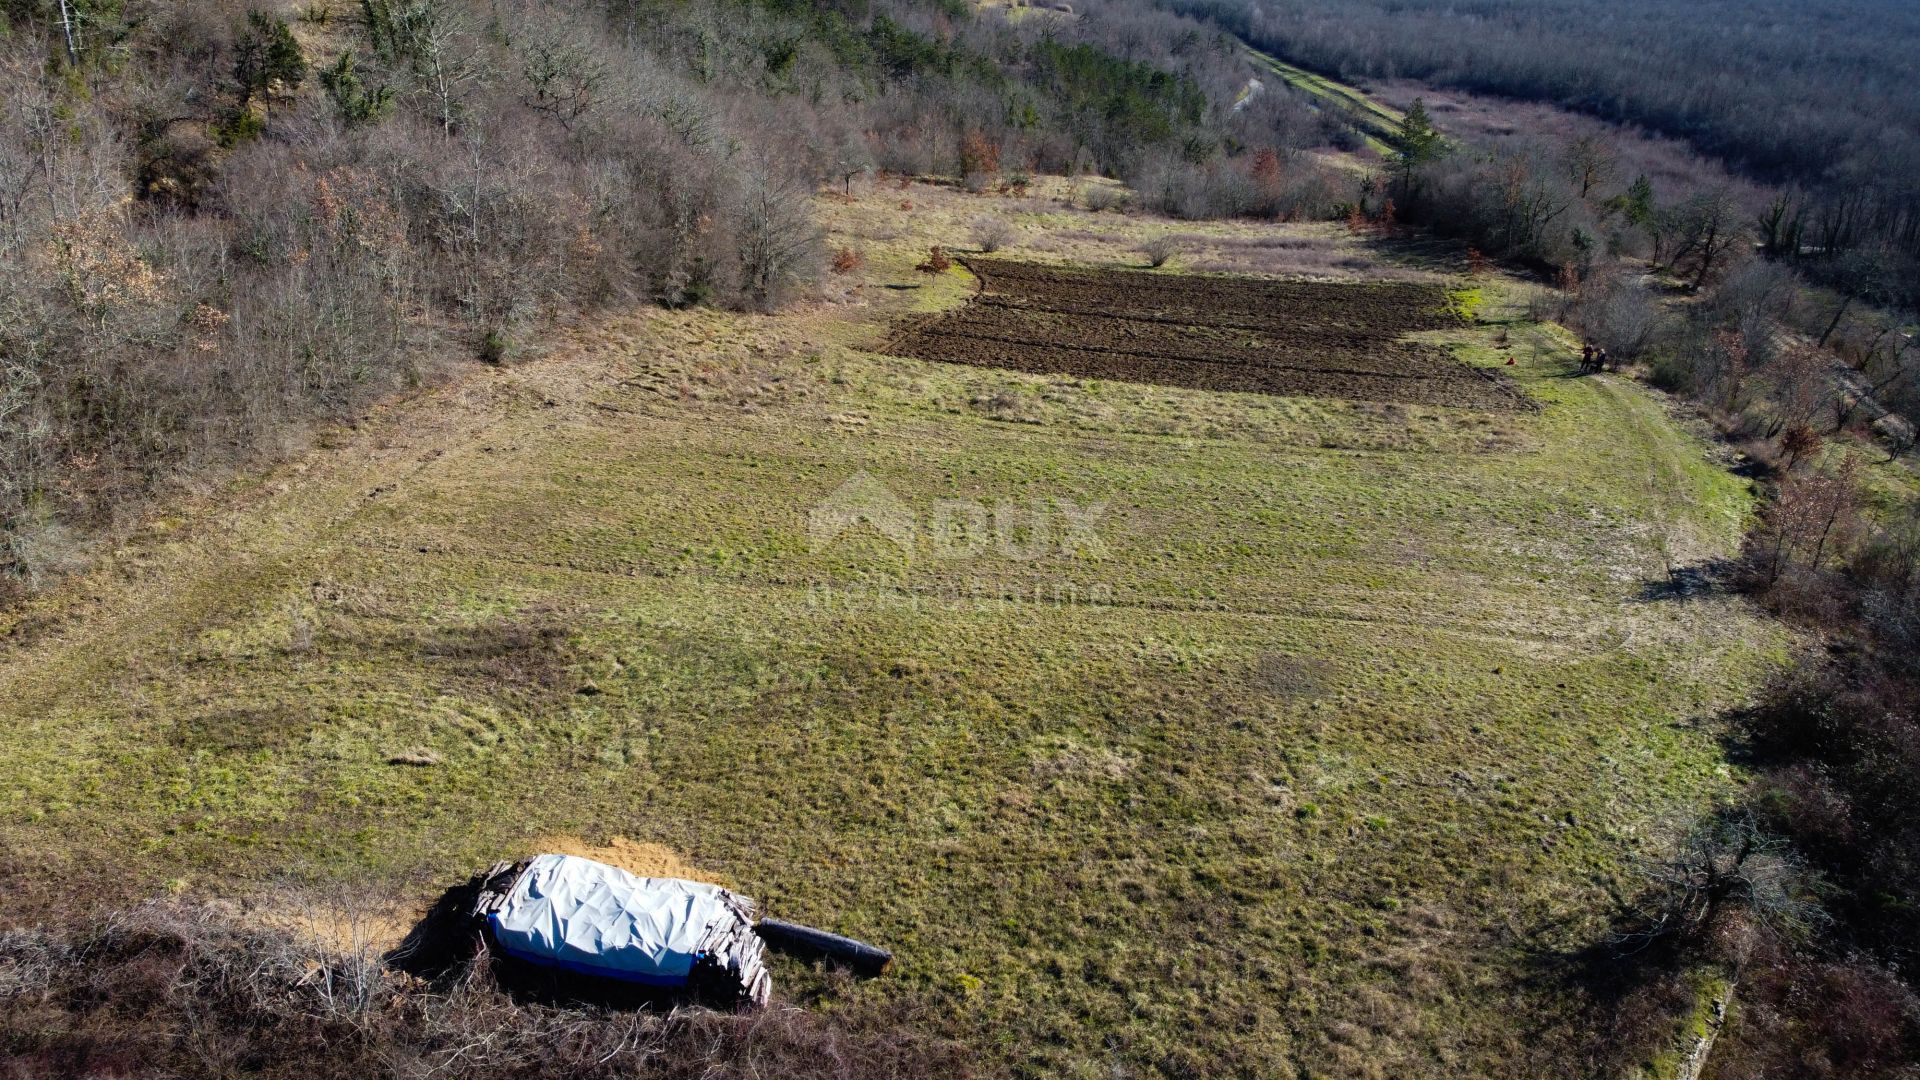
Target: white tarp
pixel 576 913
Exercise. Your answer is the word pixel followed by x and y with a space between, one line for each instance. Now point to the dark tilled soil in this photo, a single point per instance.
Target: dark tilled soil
pixel 1344 339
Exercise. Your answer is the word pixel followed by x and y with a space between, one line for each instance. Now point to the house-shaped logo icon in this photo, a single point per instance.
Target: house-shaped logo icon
pixel 863 499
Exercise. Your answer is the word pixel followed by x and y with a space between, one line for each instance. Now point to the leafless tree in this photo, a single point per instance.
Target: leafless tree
pixel 437 44
pixel 1617 312
pixel 1862 275
pixel 851 158
pixel 1803 384
pixel 1590 163
pixel 779 245
pixel 563 76
pixel 1705 227
pixel 1722 865
pixel 1814 512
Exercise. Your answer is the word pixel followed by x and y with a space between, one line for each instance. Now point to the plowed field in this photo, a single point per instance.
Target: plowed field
pixel 1323 339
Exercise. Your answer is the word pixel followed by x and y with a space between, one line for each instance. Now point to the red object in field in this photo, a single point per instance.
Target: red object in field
pixel 1509 361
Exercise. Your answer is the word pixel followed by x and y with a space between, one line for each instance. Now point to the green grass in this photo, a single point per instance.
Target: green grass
pixel 1353 695
pixel 1378 123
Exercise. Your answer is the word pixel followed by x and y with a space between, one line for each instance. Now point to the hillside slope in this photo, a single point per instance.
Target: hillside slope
pixel 1350 713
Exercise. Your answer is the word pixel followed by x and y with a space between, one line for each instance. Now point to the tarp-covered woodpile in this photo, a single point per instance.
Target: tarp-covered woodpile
pixel 575 914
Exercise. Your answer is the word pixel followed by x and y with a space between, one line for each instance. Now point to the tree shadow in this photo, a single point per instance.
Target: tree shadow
pixel 445 940
pixel 1622 998
pixel 1420 252
pixel 1705 578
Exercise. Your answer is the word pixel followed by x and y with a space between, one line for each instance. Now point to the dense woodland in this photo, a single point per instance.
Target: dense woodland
pixel 1818 99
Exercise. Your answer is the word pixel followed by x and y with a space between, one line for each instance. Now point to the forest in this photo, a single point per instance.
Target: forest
pixel 1816 99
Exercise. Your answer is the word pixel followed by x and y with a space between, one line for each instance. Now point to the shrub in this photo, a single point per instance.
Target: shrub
pixel 1099 197
pixel 495 348
pixel 1160 249
pixel 846 261
pixel 242 125
pixel 937 261
pixel 991 233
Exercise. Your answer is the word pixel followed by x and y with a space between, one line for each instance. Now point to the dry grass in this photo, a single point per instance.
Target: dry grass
pixel 1484 120
pixel 1276 798
pixel 180 990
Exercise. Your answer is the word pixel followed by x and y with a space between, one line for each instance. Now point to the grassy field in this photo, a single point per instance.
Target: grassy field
pixel 1378 123
pixel 1301 731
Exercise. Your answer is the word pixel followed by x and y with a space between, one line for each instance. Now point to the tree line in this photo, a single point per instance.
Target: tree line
pixel 1803 889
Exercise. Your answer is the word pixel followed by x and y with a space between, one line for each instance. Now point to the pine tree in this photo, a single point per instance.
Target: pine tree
pixel 1417 143
pixel 266 54
pixel 1638 205
pixel 356 103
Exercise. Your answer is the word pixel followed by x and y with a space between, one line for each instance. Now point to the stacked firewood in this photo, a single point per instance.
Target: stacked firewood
pixel 731 963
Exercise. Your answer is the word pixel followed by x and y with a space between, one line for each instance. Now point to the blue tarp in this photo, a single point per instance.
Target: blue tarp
pixel 581 915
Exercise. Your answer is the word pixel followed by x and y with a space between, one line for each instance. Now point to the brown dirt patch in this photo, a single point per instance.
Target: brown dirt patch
pixel 358 925
pixel 341 929
pixel 634 856
pixel 1292 338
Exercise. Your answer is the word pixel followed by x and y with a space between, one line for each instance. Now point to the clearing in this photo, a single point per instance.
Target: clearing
pixel 1159 730
pixel 1377 123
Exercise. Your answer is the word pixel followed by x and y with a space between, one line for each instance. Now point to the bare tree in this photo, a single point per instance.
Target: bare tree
pixel 779 245
pixel 1705 227
pixel 1860 275
pixel 1814 512
pixel 1803 384
pixel 851 158
pixel 1590 163
pixel 563 77
pixel 1722 865
pixel 71 32
pixel 433 39
pixel 1617 312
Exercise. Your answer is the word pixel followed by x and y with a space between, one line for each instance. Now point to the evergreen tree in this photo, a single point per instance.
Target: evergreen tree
pixel 265 54
pixel 356 103
pixel 1416 143
pixel 1638 204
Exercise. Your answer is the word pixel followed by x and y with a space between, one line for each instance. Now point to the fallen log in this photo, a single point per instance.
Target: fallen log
pixel 806 942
